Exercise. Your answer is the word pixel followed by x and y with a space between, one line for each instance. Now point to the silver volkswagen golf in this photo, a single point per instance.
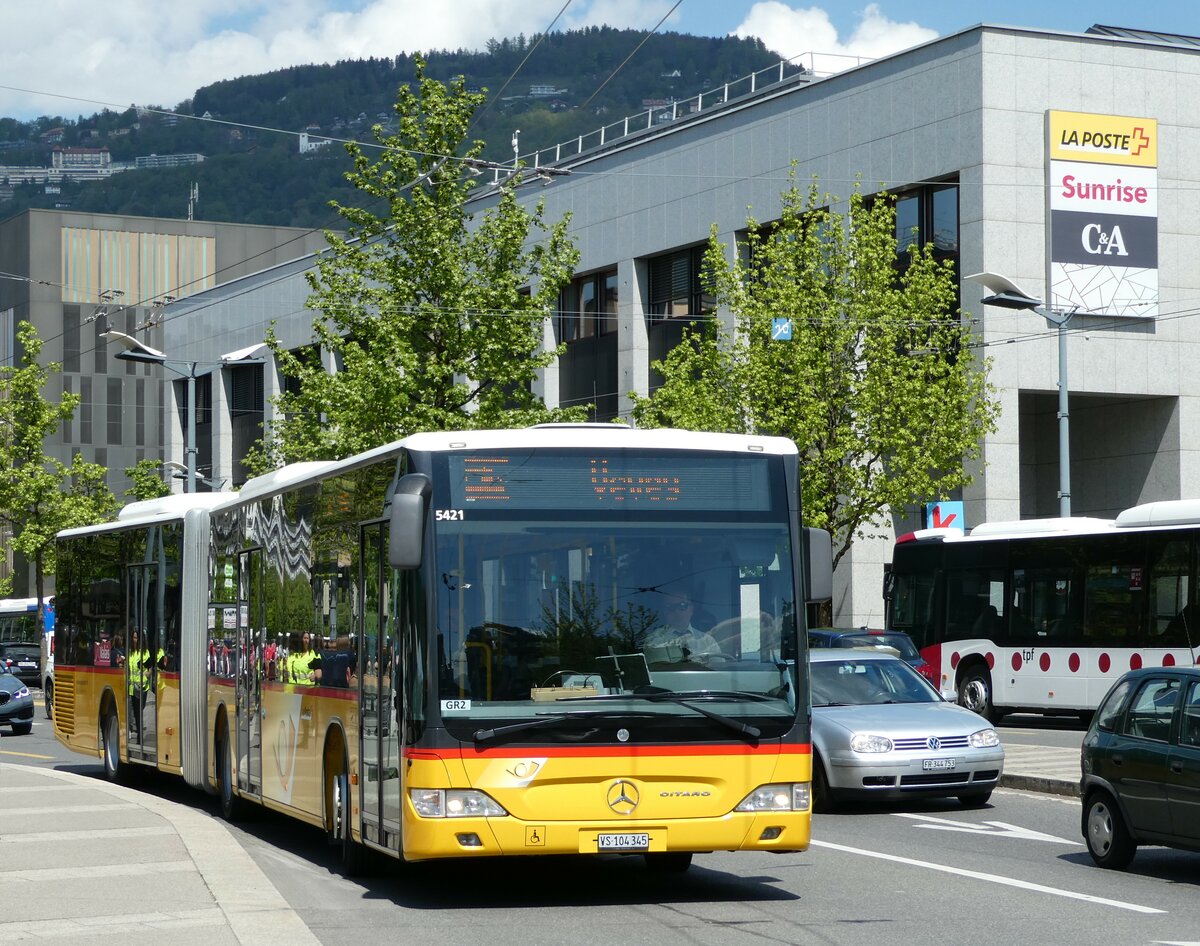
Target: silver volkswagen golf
pixel 881 731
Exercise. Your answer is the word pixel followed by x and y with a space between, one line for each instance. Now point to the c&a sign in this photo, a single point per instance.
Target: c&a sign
pixel 1102 176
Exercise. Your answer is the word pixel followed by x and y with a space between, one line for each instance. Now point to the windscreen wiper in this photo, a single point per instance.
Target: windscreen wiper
pixel 483 735
pixel 670 696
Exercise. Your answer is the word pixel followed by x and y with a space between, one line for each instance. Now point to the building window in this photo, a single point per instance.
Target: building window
pixel 85 410
pixel 139 412
pixel 71 338
pixel 928 214
pixel 588 307
pixel 66 424
pixel 115 412
pixel 675 288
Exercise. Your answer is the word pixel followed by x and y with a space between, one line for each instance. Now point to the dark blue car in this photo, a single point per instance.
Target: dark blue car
pixel 864 638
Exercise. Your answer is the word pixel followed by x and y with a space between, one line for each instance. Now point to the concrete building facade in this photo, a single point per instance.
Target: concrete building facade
pixel 76 275
pixel 955 128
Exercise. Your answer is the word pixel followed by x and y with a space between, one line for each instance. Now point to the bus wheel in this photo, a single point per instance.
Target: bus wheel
pixel 232 807
pixel 337 814
pixel 48 693
pixel 110 746
pixel 668 862
pixel 975 693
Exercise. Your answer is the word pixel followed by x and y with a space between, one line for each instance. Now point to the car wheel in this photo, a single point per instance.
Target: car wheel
pixel 1108 840
pixel 48 694
pixel 22 729
pixel 824 798
pixel 975 693
pixel 668 862
pixel 975 799
pixel 110 746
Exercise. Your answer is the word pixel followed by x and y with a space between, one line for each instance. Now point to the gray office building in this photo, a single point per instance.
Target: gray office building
pixel 75 275
pixel 959 129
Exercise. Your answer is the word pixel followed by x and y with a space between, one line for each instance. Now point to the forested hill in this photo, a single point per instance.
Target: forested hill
pixel 254 174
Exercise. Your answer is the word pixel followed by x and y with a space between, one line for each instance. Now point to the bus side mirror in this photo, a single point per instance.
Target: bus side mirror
pixel 406 526
pixel 818 565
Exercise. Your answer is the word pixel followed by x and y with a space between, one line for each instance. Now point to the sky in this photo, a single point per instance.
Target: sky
pixel 76 57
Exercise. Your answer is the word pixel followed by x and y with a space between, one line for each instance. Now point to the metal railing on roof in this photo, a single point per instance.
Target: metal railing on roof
pixel 807 67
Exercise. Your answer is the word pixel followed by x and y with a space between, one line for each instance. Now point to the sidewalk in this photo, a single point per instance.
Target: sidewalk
pixel 84 861
pixel 1050 769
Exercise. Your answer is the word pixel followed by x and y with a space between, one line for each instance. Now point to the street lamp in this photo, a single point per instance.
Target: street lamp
pixel 179 472
pixel 133 350
pixel 1007 295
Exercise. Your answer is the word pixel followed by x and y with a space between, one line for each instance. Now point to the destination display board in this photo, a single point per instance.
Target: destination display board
pixel 610 479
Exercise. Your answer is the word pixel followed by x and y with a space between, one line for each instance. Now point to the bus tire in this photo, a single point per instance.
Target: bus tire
pixel 110 745
pixel 668 862
pixel 338 809
pixel 48 695
pixel 232 806
pixel 975 692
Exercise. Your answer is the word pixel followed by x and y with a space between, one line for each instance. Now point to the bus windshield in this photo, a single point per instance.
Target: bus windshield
pixel 536 612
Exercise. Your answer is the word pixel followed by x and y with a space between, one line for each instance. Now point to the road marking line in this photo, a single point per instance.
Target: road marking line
pixel 98 872
pixel 990 878
pixel 64 810
pixel 997 829
pixel 93 834
pixel 27 755
pixel 38 789
pixel 79 927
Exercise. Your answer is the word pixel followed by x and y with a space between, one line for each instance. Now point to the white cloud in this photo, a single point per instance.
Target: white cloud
pixel 793 32
pixel 153 53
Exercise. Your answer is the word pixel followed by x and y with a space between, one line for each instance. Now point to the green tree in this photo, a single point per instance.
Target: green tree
pixel 146 476
pixel 436 324
pixel 879 386
pixel 39 494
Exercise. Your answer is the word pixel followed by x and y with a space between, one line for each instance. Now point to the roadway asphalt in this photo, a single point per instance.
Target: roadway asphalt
pixel 116 861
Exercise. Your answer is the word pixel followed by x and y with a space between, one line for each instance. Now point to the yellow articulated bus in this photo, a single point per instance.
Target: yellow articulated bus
pixel 563 639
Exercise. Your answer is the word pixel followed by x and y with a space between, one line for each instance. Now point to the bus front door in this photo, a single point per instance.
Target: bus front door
pixel 251 631
pixel 379 748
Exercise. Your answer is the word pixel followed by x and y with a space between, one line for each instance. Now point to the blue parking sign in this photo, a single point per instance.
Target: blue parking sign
pixel 781 330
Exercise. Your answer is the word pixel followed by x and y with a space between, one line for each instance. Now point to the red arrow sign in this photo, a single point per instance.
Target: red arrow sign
pixel 939 522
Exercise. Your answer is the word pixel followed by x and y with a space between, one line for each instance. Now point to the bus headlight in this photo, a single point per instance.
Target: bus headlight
pixel 795 796
pixel 984 739
pixel 454 803
pixel 866 742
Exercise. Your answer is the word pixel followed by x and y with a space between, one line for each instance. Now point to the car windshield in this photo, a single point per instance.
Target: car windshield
pixel 538 617
pixel 863 682
pixel 901 643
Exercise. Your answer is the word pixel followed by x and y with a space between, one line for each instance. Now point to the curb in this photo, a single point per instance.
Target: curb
pixel 1040 783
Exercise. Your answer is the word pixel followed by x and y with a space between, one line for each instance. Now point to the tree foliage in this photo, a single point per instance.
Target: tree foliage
pixel 879 386
pixel 435 320
pixel 39 494
pixel 147 479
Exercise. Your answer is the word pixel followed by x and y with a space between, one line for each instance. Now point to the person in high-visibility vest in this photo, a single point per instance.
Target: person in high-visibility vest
pixel 140 663
pixel 304 663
